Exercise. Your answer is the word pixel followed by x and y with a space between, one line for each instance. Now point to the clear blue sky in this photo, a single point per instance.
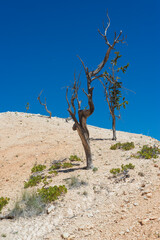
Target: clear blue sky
pixel 39 44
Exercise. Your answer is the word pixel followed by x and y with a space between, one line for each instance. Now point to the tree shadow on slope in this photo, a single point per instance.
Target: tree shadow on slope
pixel 100 139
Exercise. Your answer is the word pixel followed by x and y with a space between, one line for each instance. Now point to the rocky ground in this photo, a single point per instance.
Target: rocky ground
pixel 102 208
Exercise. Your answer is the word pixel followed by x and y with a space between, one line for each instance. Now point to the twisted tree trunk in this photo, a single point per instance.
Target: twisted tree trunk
pixel 84 136
pixel 114 128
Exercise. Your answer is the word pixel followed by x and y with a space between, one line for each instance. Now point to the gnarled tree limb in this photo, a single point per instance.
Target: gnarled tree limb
pixel 44 104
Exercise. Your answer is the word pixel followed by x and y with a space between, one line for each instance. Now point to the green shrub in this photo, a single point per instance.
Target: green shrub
pixel 123 168
pixel 55 166
pixel 52 193
pixel 73 158
pixel 125 146
pixel 115 171
pixel 67 165
pixel 115 146
pixel 127 166
pixel 38 168
pixel 33 181
pixel 95 169
pixel 53 171
pixel 147 152
pixel 3 202
pixel 45 182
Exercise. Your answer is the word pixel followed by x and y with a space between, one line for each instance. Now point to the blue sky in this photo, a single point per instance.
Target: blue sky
pixel 39 44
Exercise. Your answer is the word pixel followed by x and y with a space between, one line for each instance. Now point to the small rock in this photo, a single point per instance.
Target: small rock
pixel 122 233
pixel 145 198
pixel 135 204
pixel 145 192
pixel 152 218
pixel 143 221
pixel 143 185
pixel 158 174
pixel 127 231
pixel 71 237
pixel 50 209
pixel 90 215
pixel 65 235
pixel 149 195
pixel 155 165
pixel 126 200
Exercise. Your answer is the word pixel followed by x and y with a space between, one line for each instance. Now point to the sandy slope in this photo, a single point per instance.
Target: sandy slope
pixel 109 210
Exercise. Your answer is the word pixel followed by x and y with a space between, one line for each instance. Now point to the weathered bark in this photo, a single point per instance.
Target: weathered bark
pixel 84 136
pixel 114 128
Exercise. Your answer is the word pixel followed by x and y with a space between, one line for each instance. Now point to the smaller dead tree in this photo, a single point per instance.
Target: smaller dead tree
pixel 44 104
pixel 113 93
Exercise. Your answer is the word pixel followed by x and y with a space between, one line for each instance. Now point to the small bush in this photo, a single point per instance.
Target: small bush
pixel 45 182
pixel 85 193
pixel 115 171
pixel 75 182
pixel 30 204
pixel 127 166
pixel 73 158
pixel 33 181
pixel 3 235
pixel 53 171
pixel 115 146
pixel 3 202
pixel 38 168
pixel 67 165
pixel 125 146
pixel 55 166
pixel 95 169
pixel 123 168
pixel 147 152
pixel 52 193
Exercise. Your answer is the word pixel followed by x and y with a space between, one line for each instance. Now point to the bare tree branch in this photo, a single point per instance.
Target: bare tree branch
pixel 44 104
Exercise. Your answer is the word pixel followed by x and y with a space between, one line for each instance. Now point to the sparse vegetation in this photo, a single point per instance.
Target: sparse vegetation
pixel 3 235
pixel 53 171
pixel 115 171
pixel 67 165
pixel 55 166
pixel 38 168
pixel 74 182
pixel 125 146
pixel 45 182
pixel 52 193
pixel 95 169
pixel 123 168
pixel 3 202
pixel 85 193
pixel 127 166
pixel 60 165
pixel 27 107
pixel 33 181
pixel 147 152
pixel 30 204
pixel 74 158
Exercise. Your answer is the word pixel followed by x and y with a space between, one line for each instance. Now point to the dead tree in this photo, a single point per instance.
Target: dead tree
pixel 44 104
pixel 81 125
pixel 113 91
